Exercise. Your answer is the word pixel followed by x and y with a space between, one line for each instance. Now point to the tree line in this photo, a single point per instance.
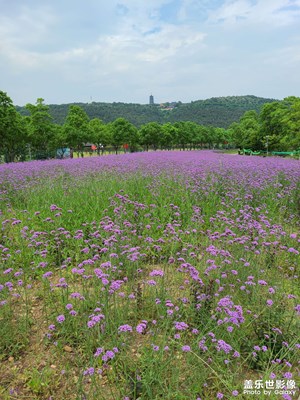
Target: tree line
pixel 217 111
pixel 36 136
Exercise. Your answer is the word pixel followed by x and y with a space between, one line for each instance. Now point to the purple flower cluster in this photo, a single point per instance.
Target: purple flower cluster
pixel 147 259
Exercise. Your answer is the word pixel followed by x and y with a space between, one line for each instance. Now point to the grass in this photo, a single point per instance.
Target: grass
pixel 150 277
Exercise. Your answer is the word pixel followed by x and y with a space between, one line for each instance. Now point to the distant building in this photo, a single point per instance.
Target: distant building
pixel 151 100
pixel 168 106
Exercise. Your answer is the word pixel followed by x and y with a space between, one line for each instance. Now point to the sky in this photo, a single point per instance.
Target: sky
pixel 124 50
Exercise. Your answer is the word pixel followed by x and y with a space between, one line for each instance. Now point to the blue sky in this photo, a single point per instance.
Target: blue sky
pixel 123 50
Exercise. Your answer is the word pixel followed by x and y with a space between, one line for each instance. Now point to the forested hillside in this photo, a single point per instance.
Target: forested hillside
pixel 217 111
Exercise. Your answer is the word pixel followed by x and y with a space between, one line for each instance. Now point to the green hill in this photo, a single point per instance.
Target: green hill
pixel 217 111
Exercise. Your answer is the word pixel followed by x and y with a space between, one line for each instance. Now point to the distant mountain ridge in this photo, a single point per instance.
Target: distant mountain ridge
pixel 216 111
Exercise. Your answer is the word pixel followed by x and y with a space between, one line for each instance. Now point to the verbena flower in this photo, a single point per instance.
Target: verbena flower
pixel 157 272
pixel 60 319
pixel 222 345
pixel 90 371
pixel 125 328
pixel 181 326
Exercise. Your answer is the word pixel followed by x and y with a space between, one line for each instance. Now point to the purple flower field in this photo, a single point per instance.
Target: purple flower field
pixel 162 275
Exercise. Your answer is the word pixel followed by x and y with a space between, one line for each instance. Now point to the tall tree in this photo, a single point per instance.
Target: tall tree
pixel 291 121
pixel 76 128
pixel 123 133
pixel 202 135
pixel 99 134
pixel 151 135
pixel 272 124
pixel 168 135
pixel 184 134
pixel 193 133
pixel 220 137
pixel 247 133
pixel 13 133
pixel 40 126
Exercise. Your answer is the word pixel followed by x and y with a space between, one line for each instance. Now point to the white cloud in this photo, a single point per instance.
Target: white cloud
pixel 149 41
pixel 28 28
pixel 124 49
pixel 171 41
pixel 269 13
pixel 19 36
